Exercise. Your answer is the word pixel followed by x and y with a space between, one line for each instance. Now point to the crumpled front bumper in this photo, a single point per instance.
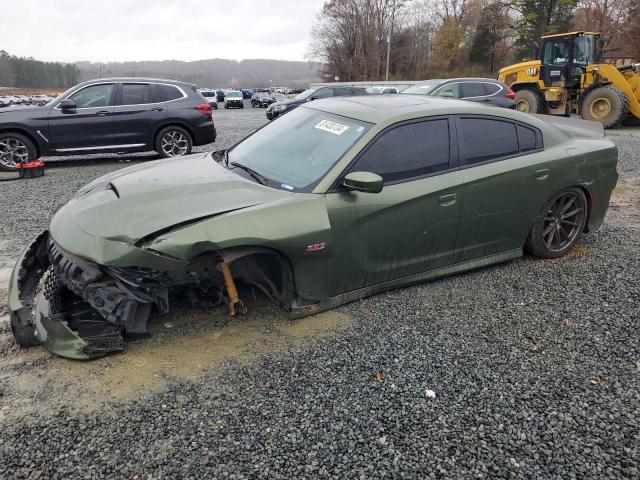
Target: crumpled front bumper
pixel 31 320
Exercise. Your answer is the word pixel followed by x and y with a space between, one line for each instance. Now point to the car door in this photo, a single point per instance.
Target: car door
pixel 90 125
pixel 138 112
pixel 506 179
pixel 411 225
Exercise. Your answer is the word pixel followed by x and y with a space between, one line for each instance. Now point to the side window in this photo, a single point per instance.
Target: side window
pixel 483 139
pixel 94 96
pixel 138 94
pixel 490 88
pixel 324 93
pixel 449 90
pixel 356 91
pixel 528 139
pixel 408 151
pixel 341 91
pixel 472 89
pixel 169 92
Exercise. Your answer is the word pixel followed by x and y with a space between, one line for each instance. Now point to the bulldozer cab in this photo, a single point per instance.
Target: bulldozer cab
pixel 564 57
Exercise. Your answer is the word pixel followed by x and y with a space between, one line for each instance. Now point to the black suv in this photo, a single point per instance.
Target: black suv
pixel 109 115
pixel 280 108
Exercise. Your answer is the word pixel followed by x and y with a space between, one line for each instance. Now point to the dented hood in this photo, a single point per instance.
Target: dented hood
pixel 143 200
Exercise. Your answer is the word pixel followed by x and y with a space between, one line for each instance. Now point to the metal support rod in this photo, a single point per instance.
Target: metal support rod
pixel 232 291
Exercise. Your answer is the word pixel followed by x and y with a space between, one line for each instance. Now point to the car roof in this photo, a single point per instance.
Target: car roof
pixel 388 109
pixel 136 79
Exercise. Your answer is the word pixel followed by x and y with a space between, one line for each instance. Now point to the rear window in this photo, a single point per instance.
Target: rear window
pixel 483 139
pixel 208 94
pixel 170 92
pixel 138 94
pixel 472 89
pixel 491 88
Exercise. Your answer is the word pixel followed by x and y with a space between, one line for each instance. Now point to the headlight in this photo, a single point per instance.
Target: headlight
pixel 279 108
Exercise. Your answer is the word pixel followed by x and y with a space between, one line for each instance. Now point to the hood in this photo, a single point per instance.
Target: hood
pixel 519 66
pixel 287 103
pixel 144 200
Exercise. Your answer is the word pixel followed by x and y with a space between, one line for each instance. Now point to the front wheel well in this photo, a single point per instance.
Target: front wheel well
pixel 24 133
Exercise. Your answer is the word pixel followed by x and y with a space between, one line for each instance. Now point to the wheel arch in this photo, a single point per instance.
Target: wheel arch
pixel 25 132
pixel 269 269
pixel 524 85
pixel 173 123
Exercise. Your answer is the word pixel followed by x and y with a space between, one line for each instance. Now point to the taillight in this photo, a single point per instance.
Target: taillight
pixel 511 95
pixel 204 109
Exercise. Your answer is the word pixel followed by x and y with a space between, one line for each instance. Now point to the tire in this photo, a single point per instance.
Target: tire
pixel 607 105
pixel 530 101
pixel 173 141
pixel 14 148
pixel 564 215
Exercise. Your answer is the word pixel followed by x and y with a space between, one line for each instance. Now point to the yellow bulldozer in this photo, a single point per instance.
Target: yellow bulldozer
pixel 569 77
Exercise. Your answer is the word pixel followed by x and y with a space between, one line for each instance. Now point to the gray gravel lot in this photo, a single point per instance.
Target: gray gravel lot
pixel 530 369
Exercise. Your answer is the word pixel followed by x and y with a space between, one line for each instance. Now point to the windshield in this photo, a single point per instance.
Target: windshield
pixel 208 94
pixel 305 94
pixel 234 94
pixel 297 150
pixel 279 97
pixel 422 88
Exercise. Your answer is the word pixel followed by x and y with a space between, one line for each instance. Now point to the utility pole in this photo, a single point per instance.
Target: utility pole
pixel 389 33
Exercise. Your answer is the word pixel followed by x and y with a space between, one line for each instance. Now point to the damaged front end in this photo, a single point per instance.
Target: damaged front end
pixel 79 309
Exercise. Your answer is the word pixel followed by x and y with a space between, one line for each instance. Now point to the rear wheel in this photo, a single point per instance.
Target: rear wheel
pixel 14 149
pixel 557 228
pixel 173 142
pixel 607 105
pixel 530 101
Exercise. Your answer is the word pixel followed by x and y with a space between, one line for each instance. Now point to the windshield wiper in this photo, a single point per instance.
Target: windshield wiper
pixel 259 178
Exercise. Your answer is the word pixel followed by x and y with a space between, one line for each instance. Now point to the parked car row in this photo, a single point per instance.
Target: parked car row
pixel 7 100
pixel 481 90
pixel 109 115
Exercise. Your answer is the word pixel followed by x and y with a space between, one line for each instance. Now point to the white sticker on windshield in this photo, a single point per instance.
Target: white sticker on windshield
pixel 332 127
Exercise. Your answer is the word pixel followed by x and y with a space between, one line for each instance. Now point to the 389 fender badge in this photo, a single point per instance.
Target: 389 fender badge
pixel 314 247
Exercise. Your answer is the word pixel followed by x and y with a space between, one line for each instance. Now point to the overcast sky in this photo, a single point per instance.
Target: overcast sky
pixel 120 30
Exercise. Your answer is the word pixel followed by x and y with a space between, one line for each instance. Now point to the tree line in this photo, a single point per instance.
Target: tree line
pixel 433 38
pixel 29 73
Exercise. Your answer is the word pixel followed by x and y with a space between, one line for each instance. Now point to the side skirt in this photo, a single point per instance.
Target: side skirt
pixel 297 312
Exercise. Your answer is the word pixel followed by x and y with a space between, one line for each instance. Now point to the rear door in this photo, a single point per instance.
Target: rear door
pixel 90 125
pixel 410 226
pixel 139 109
pixel 506 178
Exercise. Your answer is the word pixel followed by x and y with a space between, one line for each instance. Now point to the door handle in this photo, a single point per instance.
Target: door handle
pixel 103 113
pixel 541 174
pixel 157 109
pixel 447 200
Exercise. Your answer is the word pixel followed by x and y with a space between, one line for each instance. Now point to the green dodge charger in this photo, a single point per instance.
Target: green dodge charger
pixel 336 200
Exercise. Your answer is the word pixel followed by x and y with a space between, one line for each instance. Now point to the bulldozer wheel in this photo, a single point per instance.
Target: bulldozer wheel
pixel 607 105
pixel 530 101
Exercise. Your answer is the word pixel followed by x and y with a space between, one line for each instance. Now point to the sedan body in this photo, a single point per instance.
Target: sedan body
pixel 481 90
pixel 339 199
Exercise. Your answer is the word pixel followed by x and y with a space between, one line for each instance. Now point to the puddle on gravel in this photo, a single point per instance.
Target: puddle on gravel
pixel 35 381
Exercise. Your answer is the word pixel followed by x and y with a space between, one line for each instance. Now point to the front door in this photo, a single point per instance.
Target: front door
pixel 87 127
pixel 411 225
pixel 138 111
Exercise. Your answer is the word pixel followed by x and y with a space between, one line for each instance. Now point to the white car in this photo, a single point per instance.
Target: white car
pixel 40 99
pixel 233 99
pixel 381 90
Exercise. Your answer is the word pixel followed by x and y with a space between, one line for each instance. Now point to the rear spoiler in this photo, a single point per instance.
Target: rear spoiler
pixel 574 127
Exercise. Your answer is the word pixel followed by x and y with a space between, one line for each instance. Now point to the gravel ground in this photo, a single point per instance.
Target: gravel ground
pixel 530 369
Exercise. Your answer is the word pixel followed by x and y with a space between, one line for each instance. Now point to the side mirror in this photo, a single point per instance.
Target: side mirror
pixel 67 104
pixel 363 182
pixel 315 97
